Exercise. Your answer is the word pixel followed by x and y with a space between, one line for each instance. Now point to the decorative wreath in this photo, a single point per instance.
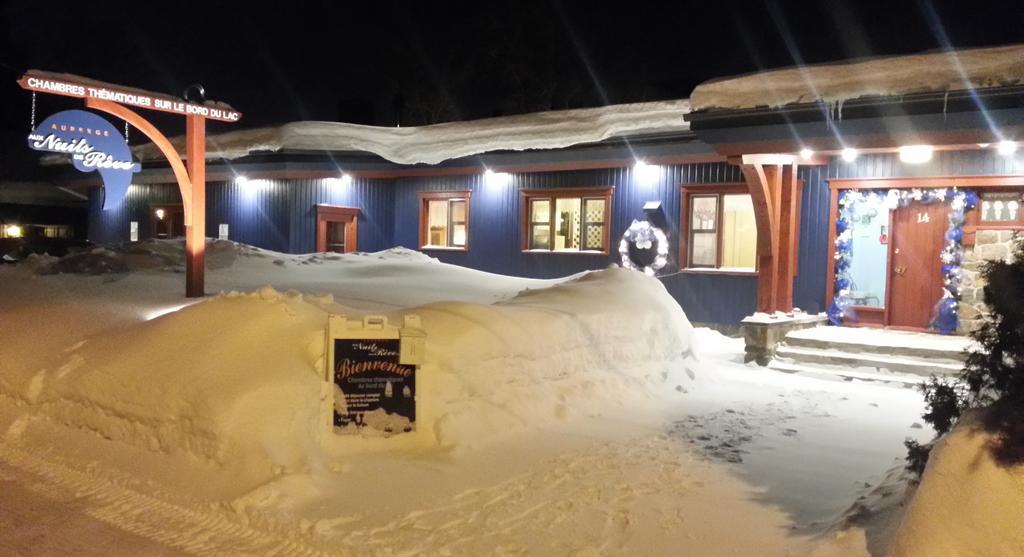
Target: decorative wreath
pixel 644 247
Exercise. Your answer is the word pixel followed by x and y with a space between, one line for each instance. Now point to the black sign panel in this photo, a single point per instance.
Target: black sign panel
pixel 379 393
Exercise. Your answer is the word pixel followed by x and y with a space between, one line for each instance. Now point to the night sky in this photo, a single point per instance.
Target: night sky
pixel 426 62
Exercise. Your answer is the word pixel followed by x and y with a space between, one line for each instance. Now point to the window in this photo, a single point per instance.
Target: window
pixel 719 229
pixel 566 220
pixel 444 220
pixel 1000 207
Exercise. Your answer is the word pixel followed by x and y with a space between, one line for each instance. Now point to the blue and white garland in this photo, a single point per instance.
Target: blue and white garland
pixel 644 235
pixel 960 201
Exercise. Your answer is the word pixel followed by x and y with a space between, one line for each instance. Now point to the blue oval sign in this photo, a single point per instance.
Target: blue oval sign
pixel 94 144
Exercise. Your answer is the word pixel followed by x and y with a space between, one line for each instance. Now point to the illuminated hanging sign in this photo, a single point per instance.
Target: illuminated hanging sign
pixel 72 86
pixel 94 144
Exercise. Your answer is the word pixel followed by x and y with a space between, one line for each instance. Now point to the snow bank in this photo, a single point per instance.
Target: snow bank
pixel 234 381
pixel 436 143
pixel 967 504
pixel 890 76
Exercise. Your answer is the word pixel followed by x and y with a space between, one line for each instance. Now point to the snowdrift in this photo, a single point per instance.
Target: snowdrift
pixel 889 76
pixel 234 381
pixel 967 504
pixel 439 142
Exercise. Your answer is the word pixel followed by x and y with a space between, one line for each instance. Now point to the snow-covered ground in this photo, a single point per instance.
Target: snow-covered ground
pixel 580 416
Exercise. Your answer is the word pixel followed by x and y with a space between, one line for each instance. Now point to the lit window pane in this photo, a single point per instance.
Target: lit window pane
pixel 595 237
pixel 540 210
pixel 459 235
pixel 704 247
pixel 567 223
pixel 540 237
pixel 437 223
pixel 458 208
pixel 739 232
pixel 703 212
pixel 595 210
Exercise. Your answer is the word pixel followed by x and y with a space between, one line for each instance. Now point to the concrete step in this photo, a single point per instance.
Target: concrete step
pixel 835 356
pixel 891 344
pixel 822 371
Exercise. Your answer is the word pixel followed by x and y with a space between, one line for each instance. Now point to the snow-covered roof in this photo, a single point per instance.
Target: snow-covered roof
pixel 890 76
pixel 440 142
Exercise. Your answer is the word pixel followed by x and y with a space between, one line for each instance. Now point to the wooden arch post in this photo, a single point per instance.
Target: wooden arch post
pixel 775 193
pixel 191 175
pixel 191 182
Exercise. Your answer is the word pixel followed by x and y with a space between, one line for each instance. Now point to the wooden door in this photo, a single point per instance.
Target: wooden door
pixel 167 221
pixel 915 268
pixel 336 228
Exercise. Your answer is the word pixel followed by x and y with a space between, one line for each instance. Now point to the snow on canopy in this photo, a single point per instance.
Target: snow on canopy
pixel 953 70
pixel 439 142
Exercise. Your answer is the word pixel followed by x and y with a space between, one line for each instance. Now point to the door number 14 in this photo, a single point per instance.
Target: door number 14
pixel 923 217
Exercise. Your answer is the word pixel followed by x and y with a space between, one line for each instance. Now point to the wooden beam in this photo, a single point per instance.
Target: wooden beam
pixel 768 159
pixel 998 181
pixel 764 217
pixel 195 234
pixel 788 232
pixel 158 139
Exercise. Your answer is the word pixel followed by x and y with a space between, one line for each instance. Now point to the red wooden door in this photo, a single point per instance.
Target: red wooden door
pixel 336 228
pixel 915 270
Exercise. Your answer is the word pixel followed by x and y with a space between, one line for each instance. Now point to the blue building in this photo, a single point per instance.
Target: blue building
pixel 757 200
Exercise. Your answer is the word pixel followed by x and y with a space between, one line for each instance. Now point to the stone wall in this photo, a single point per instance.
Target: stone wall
pixel 988 245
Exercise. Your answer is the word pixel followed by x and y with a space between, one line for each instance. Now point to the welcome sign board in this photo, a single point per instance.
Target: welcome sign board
pixel 372 375
pixel 94 144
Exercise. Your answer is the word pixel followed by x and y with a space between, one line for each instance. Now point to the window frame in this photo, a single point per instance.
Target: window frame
pixel 689 191
pixel 1000 224
pixel 449 196
pixel 526 198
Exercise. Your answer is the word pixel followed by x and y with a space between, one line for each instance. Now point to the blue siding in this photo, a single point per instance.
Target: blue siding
pixel 812 256
pixel 112 225
pixel 256 213
pixel 374 198
pixel 281 215
pixel 494 238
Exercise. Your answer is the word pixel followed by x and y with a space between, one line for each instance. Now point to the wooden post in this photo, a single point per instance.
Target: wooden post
pixel 788 232
pixel 195 233
pixel 772 182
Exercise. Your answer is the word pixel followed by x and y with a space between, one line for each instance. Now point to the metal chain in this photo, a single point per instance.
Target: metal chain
pixel 33 123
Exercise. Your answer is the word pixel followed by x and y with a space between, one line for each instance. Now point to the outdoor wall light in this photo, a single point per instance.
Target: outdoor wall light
pixel 1006 148
pixel 497 179
pixel 344 180
pixel 646 174
pixel 806 154
pixel 916 154
pixel 13 231
pixel 849 154
pixel 160 214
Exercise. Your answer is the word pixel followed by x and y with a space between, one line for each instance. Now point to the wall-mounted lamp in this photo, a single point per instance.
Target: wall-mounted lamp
pixel 496 179
pixel 646 174
pixel 916 154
